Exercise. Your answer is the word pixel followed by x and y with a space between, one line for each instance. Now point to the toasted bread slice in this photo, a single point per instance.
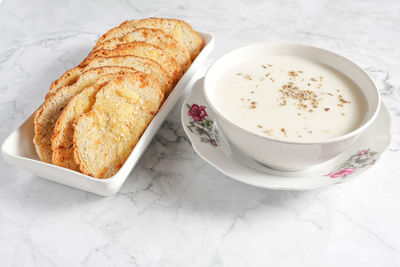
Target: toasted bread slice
pixel 53 107
pixel 155 37
pixel 178 29
pixel 105 136
pixel 145 65
pixel 61 140
pixel 114 33
pixel 47 115
pixel 142 49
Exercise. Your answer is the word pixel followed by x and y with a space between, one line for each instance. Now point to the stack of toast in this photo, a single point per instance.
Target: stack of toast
pixel 95 113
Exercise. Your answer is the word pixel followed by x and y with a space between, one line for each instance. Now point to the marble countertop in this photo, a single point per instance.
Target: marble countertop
pixel 175 209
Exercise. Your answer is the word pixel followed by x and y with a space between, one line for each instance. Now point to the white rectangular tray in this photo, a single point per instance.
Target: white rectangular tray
pixel 18 148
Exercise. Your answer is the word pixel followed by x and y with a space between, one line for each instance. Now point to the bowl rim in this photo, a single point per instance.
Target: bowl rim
pixel 353 133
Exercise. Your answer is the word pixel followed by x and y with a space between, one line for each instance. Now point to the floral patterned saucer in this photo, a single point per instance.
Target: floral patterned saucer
pixel 199 123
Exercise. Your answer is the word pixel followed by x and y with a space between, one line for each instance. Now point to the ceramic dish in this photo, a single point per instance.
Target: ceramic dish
pixel 18 147
pixel 213 147
pixel 279 153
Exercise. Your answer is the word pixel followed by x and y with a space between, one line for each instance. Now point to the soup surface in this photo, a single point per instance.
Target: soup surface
pixel 290 98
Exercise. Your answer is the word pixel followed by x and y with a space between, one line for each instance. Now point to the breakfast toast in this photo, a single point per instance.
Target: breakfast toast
pixel 105 136
pixel 155 37
pixel 145 65
pixel 142 49
pixel 48 113
pixel 112 96
pixel 61 140
pixel 178 29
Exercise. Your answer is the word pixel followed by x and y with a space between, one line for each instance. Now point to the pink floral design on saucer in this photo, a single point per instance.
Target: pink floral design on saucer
pixel 359 160
pixel 200 124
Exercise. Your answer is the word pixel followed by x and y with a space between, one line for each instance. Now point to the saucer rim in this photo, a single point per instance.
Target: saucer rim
pixel 274 187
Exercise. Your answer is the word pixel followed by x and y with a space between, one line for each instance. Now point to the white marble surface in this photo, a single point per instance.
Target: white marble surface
pixel 174 209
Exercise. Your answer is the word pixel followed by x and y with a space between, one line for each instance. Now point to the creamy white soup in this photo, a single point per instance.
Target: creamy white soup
pixel 290 98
